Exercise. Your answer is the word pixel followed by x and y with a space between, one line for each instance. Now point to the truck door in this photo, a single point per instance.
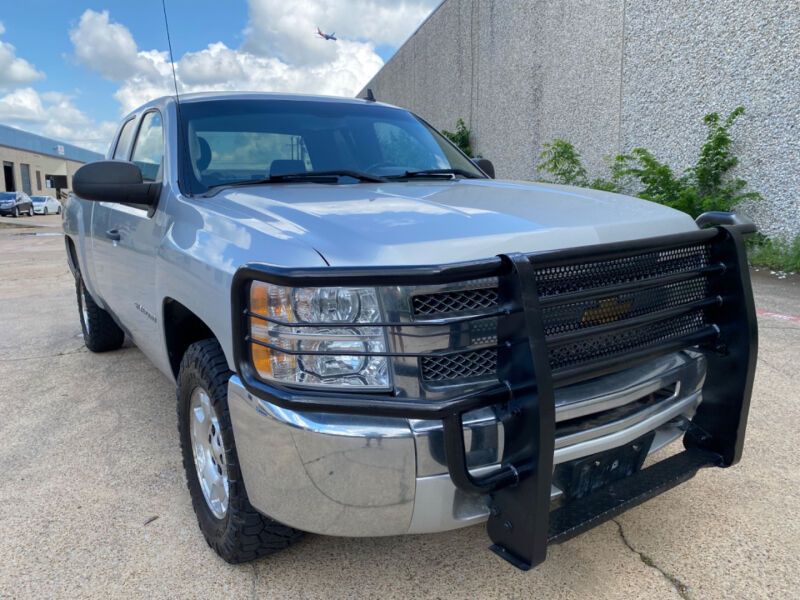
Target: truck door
pixel 125 242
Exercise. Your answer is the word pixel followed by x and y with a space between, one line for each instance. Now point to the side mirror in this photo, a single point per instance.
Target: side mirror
pixel 485 165
pixel 114 181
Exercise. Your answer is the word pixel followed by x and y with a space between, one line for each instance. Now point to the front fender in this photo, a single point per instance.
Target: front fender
pixel 202 249
pixel 77 225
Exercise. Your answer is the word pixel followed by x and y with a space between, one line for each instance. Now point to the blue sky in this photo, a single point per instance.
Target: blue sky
pixel 71 69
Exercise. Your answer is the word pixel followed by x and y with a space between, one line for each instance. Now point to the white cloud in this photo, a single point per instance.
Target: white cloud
pixel 55 115
pixel 108 48
pixel 286 29
pixel 220 68
pixel 280 53
pixel 14 71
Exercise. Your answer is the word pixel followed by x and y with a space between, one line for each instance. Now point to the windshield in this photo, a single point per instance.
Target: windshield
pixel 8 196
pixel 39 199
pixel 234 141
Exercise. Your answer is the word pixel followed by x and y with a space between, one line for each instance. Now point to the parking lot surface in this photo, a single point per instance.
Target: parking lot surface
pixel 93 501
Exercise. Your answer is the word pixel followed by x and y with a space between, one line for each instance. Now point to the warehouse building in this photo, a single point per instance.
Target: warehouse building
pixel 38 165
pixel 609 76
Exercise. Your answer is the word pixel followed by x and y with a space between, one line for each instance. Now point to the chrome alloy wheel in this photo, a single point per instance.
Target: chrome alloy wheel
pixel 208 451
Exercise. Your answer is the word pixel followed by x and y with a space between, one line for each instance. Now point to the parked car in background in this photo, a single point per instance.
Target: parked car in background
pixel 15 204
pixel 46 205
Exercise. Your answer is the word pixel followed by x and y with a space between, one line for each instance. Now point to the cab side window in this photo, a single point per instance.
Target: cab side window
pixel 124 141
pixel 148 150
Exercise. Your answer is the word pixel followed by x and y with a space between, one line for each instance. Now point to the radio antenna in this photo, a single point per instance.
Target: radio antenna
pixel 187 191
pixel 171 56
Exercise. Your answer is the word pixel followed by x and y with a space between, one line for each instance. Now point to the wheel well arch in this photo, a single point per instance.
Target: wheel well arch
pixel 72 256
pixel 182 328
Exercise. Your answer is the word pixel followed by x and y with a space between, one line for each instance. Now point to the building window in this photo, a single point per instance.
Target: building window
pixel 38 181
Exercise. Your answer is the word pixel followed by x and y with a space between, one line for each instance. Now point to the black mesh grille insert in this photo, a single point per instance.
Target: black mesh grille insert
pixel 469 365
pixel 618 308
pixel 601 308
pixel 454 302
pixel 552 281
pixel 609 344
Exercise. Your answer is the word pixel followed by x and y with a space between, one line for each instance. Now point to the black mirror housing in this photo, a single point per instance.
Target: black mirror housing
pixel 485 165
pixel 114 181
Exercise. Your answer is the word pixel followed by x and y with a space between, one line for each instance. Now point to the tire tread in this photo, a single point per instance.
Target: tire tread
pixel 247 534
pixel 103 333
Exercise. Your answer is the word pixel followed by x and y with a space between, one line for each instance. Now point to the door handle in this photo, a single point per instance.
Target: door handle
pixel 113 234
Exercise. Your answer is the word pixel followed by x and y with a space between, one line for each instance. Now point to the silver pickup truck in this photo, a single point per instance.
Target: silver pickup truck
pixel 371 336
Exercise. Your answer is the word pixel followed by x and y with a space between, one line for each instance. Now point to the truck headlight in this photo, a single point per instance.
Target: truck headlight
pixel 285 351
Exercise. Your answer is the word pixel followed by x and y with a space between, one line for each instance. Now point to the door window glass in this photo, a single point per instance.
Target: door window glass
pixel 148 151
pixel 124 141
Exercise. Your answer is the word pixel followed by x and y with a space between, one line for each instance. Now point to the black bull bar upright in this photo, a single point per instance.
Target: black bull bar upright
pixel 521 523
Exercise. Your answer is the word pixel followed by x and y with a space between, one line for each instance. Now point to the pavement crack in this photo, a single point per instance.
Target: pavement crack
pixel 78 350
pixel 681 588
pixel 773 367
pixel 254 588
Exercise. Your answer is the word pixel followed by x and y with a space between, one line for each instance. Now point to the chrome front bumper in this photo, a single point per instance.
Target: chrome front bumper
pixel 370 476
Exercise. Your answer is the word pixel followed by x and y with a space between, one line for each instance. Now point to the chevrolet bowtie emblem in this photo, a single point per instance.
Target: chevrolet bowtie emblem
pixel 607 310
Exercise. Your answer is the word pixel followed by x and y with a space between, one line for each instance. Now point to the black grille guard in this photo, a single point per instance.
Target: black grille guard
pixel 521 524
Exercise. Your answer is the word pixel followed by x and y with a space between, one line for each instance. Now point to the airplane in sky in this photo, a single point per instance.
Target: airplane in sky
pixel 326 36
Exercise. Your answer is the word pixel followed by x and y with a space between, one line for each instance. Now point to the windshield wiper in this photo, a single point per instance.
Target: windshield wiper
pixel 449 173
pixel 312 176
pixel 361 176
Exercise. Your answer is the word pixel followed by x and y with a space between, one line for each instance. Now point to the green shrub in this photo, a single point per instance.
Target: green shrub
pixel 562 161
pixel 460 137
pixel 774 254
pixel 705 186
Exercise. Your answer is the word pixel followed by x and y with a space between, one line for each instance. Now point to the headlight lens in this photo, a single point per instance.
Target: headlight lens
pixel 318 356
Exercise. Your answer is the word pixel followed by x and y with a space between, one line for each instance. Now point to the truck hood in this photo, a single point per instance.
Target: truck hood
pixel 416 223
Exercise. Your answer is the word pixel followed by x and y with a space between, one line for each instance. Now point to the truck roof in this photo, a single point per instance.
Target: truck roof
pixel 222 96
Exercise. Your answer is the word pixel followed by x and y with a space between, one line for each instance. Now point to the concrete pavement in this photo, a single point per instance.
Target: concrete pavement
pixel 93 501
pixel 34 221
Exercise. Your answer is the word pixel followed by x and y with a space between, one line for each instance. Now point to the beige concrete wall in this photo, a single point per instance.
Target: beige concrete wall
pixel 49 165
pixel 610 75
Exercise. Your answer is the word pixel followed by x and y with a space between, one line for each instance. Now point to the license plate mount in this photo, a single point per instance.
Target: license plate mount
pixel 579 478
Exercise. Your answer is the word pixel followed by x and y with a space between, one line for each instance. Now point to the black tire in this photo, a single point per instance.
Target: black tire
pixel 242 534
pixel 100 332
pixel 58 210
pixel 16 212
pixel 30 211
pixel 46 211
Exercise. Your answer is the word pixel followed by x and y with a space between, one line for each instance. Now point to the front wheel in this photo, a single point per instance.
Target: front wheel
pixel 30 212
pixel 16 212
pixel 229 523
